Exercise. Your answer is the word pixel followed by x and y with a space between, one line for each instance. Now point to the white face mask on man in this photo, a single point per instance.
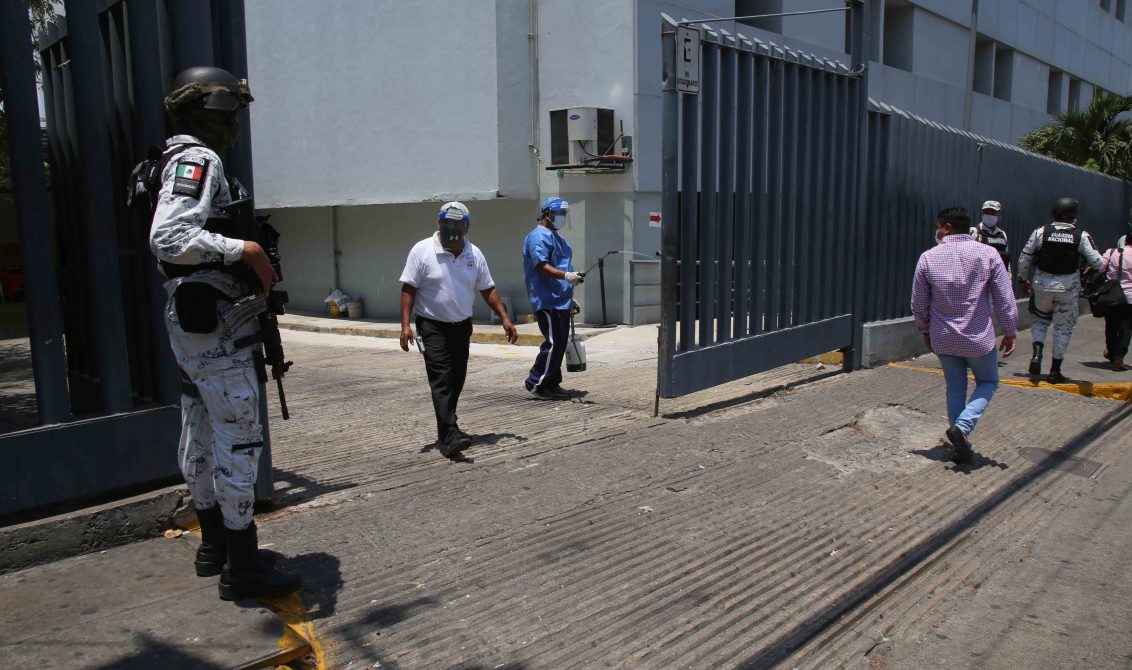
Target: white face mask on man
pixel 990 220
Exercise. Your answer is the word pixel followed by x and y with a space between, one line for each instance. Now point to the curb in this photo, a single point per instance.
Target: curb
pixel 525 339
pixel 120 522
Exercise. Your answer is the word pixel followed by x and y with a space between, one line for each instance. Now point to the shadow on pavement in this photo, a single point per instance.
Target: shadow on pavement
pixel 778 649
pixel 292 488
pixel 155 654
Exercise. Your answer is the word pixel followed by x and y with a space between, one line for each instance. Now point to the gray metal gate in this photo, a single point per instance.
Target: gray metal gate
pixel 106 384
pixel 762 184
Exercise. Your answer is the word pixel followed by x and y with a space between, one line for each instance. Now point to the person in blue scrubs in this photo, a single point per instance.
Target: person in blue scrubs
pixel 550 280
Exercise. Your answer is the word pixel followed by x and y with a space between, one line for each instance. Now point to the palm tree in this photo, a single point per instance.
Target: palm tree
pixel 1095 138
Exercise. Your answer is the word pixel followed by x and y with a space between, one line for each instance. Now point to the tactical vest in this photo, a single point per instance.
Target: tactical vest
pixel 997 241
pixel 145 185
pixel 1059 253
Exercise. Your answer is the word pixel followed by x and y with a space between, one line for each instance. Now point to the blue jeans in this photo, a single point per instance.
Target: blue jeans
pixel 960 412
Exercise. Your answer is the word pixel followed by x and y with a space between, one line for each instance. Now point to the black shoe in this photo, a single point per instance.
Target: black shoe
pixel 247 574
pixel 213 550
pixel 539 393
pixel 1056 378
pixel 559 393
pixel 1117 365
pixel 1036 359
pixel 963 453
pixel 457 441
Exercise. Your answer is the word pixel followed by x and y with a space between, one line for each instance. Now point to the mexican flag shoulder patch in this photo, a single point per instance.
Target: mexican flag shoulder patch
pixel 188 176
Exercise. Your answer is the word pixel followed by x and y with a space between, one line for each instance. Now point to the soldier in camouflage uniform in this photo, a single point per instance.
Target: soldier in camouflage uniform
pixel 207 258
pixel 1054 252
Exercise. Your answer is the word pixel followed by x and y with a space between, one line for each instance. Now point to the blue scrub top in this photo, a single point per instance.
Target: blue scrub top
pixel 543 245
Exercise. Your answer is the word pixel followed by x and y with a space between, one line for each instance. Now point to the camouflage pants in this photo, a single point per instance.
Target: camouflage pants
pixel 221 435
pixel 1061 310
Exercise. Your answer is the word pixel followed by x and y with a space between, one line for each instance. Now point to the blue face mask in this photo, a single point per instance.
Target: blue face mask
pixel 557 221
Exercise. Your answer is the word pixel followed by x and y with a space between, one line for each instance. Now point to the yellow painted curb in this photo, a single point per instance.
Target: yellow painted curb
pixel 292 611
pixel 828 358
pixel 388 333
pixel 1121 391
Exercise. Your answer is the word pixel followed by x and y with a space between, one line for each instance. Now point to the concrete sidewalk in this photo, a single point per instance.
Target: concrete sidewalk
pixel 759 524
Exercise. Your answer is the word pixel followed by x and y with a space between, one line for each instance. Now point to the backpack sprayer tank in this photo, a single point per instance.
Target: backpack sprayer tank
pixel 575 348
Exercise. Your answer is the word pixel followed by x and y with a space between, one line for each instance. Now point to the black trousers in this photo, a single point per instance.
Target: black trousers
pixel 446 361
pixel 1118 330
pixel 555 326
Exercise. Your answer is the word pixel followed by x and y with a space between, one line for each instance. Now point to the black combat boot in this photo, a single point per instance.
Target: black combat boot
pixel 1117 364
pixel 248 575
pixel 1036 359
pixel 1055 376
pixel 213 549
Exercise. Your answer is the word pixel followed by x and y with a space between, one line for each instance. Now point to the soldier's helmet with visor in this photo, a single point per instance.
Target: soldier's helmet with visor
pixel 206 87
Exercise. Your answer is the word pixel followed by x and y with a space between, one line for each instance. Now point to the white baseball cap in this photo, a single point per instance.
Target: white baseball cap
pixel 454 211
pixel 993 204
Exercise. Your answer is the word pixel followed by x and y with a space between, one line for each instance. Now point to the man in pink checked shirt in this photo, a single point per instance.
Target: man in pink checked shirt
pixel 958 284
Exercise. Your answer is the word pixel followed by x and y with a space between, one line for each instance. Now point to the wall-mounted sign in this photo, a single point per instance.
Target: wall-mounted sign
pixel 687 60
pixel 654 219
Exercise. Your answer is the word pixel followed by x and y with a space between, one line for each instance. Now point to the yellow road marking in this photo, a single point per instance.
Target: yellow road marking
pixel 1121 391
pixel 292 611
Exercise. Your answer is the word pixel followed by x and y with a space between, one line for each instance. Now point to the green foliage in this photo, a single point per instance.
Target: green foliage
pixel 1097 138
pixel 41 12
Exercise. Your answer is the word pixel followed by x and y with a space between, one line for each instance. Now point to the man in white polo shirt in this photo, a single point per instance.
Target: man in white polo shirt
pixel 439 283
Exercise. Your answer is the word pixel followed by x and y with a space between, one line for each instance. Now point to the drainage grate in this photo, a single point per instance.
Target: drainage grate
pixel 1055 460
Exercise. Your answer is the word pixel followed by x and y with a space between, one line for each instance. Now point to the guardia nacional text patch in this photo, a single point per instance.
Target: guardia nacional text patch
pixel 188 179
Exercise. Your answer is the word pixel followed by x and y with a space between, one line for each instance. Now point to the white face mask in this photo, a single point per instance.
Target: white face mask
pixel 990 220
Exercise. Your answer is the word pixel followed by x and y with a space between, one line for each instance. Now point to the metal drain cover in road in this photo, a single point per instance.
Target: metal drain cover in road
pixel 1055 460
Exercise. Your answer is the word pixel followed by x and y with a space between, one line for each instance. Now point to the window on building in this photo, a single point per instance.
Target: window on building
pixel 755 7
pixel 1074 94
pixel 1120 7
pixel 984 65
pixel 1003 72
pixel 898 34
pixel 1053 93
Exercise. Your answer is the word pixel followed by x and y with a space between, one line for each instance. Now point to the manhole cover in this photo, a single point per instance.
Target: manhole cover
pixel 1055 460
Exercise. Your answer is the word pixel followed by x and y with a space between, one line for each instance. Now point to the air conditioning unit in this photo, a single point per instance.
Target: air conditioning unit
pixel 580 136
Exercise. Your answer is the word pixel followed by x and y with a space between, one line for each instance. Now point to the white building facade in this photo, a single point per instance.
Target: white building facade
pixel 371 113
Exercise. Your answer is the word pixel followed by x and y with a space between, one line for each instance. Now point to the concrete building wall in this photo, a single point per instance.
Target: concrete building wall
pixel 921 56
pixel 378 101
pixel 374 241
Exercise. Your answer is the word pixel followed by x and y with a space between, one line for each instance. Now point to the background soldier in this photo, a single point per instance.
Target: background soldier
pixel 206 254
pixel 1055 251
pixel 990 233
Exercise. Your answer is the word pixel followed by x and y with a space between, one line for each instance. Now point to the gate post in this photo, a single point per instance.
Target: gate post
pixel 859 120
pixel 41 293
pixel 102 247
pixel 669 208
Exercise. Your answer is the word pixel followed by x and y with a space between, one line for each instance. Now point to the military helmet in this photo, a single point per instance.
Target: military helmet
pixel 1065 208
pixel 207 87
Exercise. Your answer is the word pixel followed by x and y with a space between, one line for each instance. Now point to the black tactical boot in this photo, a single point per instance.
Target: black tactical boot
pixel 1055 376
pixel 213 549
pixel 1117 364
pixel 248 575
pixel 1036 359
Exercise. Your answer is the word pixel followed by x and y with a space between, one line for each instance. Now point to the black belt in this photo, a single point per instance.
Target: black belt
pixel 444 323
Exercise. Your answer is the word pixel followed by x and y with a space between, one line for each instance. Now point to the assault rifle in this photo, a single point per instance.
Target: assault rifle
pixel 269 307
